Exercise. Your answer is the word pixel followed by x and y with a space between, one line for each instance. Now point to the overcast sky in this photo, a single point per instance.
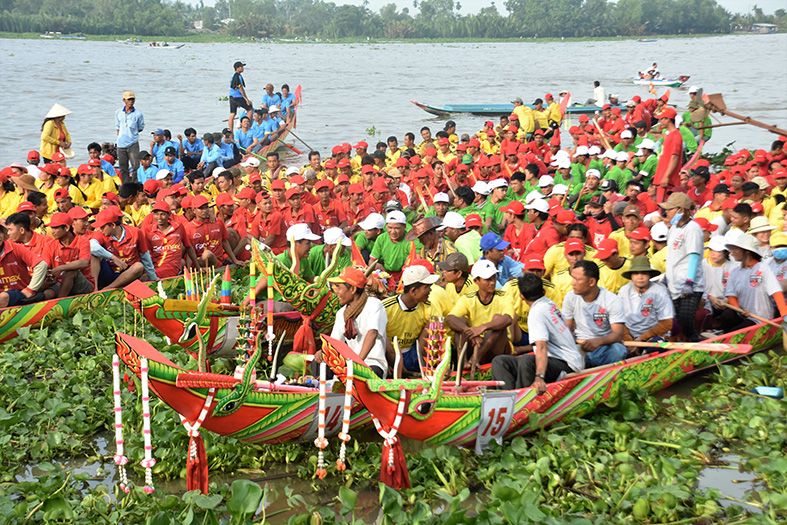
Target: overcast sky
pixel 472 6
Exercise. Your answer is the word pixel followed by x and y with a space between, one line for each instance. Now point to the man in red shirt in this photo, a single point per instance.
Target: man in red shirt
pixel 120 252
pixel 328 209
pixel 70 256
pixel 671 159
pixel 22 273
pixel 268 225
pixel 169 244
pixel 700 193
pixel 20 230
pixel 298 211
pixel 550 231
pixel 208 236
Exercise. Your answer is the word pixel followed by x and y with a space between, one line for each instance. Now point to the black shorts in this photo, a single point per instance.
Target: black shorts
pixel 238 102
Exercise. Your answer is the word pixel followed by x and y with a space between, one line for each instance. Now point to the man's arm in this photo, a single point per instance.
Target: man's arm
pixel 541 366
pixel 368 343
pixel 615 335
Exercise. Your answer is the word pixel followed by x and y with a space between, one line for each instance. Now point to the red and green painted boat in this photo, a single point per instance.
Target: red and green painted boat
pixel 268 413
pixel 38 315
pixel 436 415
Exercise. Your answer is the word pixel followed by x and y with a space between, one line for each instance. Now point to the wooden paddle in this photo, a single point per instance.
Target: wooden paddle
pixel 703 347
pixel 300 139
pixel 746 313
pixel 601 133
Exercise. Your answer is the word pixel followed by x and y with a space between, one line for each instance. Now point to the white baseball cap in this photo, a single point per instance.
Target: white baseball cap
pixel 482 188
pixel 395 217
pixel 372 221
pixel 417 274
pixel 251 162
pixel 592 172
pixel 647 144
pixel 292 170
pixel 484 269
pixel 441 197
pixel 594 150
pixel 546 180
pixel 452 220
pixel 626 134
pixel 301 232
pixel 162 174
pixel 610 154
pixel 539 205
pixel 659 231
pixel 498 183
pixel 533 195
pixel 693 89
pixel 622 156
pixel 717 243
pixel 582 150
pixel 273 109
pixel 560 189
pixel 563 163
pixel 333 236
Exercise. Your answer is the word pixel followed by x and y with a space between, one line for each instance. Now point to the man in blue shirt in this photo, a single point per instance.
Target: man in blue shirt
pixel 146 171
pixel 173 164
pixel 287 101
pixel 129 123
pixel 191 148
pixel 211 155
pixel 158 146
pixel 237 95
pixel 229 151
pixel 94 152
pixel 244 136
pixel 275 118
pixel 492 246
pixel 269 98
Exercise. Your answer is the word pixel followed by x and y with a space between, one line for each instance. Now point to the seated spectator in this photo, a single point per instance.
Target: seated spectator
pixel 647 305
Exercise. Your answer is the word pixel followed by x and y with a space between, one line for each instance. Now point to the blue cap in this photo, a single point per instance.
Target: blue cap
pixel 492 241
pixel 158 131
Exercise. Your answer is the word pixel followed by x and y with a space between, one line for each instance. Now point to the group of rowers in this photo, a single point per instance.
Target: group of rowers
pixel 542 258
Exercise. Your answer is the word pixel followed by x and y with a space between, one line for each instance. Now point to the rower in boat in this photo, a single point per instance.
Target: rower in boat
pixel 554 349
pixel 647 305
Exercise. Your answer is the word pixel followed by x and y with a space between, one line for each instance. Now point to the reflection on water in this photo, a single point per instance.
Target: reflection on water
pixel 727 478
pixel 350 88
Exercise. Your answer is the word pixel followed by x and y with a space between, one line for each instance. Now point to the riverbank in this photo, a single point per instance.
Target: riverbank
pixel 216 38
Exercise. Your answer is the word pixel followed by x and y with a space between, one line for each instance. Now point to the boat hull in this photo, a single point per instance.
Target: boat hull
pixel 496 110
pixel 661 82
pixel 467 419
pixel 264 417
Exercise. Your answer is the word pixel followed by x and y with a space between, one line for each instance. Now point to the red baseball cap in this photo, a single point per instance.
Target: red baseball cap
pixel 336 150
pixel 473 220
pixel 94 163
pixel 112 197
pixel 379 186
pixel 729 203
pixel 58 157
pixel 198 201
pixel 78 212
pixel 641 233
pixel 255 177
pixel 61 193
pixel 366 168
pixel 573 245
pixel 352 276
pixel 515 207
pixel 564 216
pixel 292 192
pixel 187 201
pixel 33 155
pixel 109 158
pixel 402 162
pixel 667 112
pixel 151 186
pixel 534 264
pixel 323 184
pixel 60 219
pixel 443 141
pixel 105 217
pixel 361 145
pixel 247 193
pixel 706 225
pixel 355 189
pixel 161 205
pixel 297 179
pixel 64 172
pixel 277 184
pixel 606 248
pixel 430 151
pixel 330 164
pixel 26 206
pixel 344 179
pixel 415 160
pixel 344 163
pixel 224 199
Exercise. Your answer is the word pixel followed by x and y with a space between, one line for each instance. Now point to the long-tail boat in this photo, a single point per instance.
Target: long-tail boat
pixel 40 314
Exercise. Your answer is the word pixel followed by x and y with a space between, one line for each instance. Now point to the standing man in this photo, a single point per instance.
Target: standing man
pixel 129 123
pixel 238 97
pixel 670 161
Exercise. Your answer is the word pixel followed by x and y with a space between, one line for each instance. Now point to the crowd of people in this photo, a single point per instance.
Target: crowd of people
pixel 544 257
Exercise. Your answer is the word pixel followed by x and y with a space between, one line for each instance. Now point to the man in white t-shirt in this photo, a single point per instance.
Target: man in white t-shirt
pixel 361 322
pixel 647 305
pixel 555 349
pixel 595 315
pixel 753 286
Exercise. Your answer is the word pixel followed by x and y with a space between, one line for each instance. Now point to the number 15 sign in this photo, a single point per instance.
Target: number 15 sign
pixel 496 411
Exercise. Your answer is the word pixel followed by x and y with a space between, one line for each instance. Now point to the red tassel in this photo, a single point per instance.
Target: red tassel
pixel 197 466
pixel 303 341
pixel 395 476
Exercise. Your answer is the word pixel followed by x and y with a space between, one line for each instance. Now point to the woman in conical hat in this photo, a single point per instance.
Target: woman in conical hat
pixel 54 134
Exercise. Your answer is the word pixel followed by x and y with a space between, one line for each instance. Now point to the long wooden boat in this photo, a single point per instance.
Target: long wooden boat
pixel 435 415
pixel 661 82
pixel 13 318
pixel 496 110
pixel 268 414
pixel 219 329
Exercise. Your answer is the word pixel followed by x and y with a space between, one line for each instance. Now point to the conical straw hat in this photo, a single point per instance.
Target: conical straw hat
pixel 58 111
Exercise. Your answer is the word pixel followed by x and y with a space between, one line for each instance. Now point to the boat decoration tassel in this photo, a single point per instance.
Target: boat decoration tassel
pixel 344 435
pixel 393 470
pixel 120 458
pixel 197 459
pixel 321 442
pixel 149 461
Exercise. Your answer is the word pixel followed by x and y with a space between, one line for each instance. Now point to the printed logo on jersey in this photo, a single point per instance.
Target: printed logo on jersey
pixel 601 317
pixel 647 307
pixel 755 279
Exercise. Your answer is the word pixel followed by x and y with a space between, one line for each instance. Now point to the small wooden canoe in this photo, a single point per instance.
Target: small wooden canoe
pixel 661 82
pixel 497 110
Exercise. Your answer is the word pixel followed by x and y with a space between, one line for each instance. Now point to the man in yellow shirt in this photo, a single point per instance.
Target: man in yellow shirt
pixel 574 251
pixel 540 114
pixel 632 219
pixel 527 122
pixel 483 318
pixel 554 115
pixel 613 265
pixel 408 315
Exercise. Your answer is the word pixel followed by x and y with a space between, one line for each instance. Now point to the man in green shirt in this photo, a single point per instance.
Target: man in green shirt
pixel 390 250
pixel 320 256
pixel 371 228
pixel 646 163
pixel 495 219
pixel 626 141
pixel 469 243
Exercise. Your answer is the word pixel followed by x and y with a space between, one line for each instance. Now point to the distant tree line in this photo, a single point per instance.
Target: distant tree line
pixel 326 20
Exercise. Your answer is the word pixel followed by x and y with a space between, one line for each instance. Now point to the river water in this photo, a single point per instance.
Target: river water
pixel 350 88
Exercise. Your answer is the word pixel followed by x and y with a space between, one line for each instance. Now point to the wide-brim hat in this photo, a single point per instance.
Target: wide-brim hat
pixel 745 241
pixel 423 226
pixel 57 111
pixel 25 182
pixel 640 264
pixel 68 153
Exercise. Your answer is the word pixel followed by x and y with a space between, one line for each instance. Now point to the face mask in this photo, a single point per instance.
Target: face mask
pixel 676 218
pixel 780 253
